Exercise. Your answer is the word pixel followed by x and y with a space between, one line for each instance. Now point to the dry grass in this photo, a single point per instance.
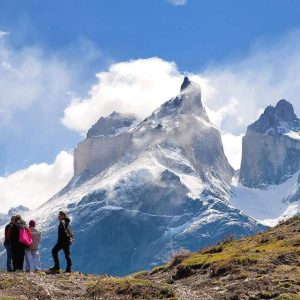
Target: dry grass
pixel 129 288
pixel 274 244
pixel 178 256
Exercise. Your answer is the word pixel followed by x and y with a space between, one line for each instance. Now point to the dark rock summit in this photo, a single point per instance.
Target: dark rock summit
pixel 274 117
pixel 284 111
pixel 186 83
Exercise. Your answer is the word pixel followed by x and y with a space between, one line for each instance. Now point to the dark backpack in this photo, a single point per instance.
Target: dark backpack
pixel 69 234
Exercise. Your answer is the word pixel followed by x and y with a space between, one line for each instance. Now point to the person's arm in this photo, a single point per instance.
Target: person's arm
pixel 6 232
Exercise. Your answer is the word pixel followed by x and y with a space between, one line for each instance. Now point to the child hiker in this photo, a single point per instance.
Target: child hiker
pixel 32 255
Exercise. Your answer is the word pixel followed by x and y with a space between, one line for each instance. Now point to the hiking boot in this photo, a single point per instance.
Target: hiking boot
pixel 54 269
pixel 68 271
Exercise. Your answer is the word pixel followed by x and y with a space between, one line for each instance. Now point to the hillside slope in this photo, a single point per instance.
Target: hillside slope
pixel 264 266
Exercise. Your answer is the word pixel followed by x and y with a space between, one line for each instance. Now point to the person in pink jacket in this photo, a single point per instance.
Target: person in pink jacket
pixel 32 254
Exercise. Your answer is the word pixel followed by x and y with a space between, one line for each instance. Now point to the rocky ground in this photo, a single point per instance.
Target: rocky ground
pixel 264 266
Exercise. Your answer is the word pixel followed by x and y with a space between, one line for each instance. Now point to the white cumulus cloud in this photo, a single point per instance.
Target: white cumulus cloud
pixel 136 86
pixel 34 185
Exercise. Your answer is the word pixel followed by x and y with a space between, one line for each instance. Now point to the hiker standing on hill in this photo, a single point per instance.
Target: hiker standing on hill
pixel 64 241
pixel 18 249
pixel 32 255
pixel 7 245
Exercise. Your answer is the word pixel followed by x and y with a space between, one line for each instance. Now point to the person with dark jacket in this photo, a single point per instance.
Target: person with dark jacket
pixel 18 249
pixel 7 245
pixel 64 241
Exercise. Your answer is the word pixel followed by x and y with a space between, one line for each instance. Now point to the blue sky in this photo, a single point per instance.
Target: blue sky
pixel 54 49
pixel 193 35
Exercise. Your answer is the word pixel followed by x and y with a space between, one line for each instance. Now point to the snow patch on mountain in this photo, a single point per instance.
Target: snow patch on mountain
pixel 293 135
pixel 268 206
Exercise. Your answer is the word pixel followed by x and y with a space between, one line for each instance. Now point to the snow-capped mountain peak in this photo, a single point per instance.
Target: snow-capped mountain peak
pixel 271 147
pixel 187 102
pixel 277 120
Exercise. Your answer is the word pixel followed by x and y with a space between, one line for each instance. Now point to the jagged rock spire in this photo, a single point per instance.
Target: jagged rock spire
pixel 186 83
pixel 273 116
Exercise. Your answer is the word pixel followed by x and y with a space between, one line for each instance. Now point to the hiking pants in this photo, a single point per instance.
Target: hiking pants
pixel 66 248
pixel 32 260
pixel 18 253
pixel 9 266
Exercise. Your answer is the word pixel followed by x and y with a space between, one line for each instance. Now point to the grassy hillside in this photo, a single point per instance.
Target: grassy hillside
pixel 264 266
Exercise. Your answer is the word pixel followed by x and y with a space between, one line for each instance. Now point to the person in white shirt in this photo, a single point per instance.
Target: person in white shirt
pixel 32 254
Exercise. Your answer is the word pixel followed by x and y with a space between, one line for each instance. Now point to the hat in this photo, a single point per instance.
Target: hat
pixel 31 223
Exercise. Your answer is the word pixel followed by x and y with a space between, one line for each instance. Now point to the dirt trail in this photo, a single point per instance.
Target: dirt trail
pixel 43 286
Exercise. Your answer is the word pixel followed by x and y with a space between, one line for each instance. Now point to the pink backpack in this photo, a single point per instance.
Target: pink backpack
pixel 25 236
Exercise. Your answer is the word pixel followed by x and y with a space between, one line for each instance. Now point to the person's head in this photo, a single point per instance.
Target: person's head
pixel 12 219
pixel 31 223
pixel 17 219
pixel 62 215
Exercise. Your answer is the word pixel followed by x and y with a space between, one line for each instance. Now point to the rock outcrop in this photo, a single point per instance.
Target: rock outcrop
pixel 106 143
